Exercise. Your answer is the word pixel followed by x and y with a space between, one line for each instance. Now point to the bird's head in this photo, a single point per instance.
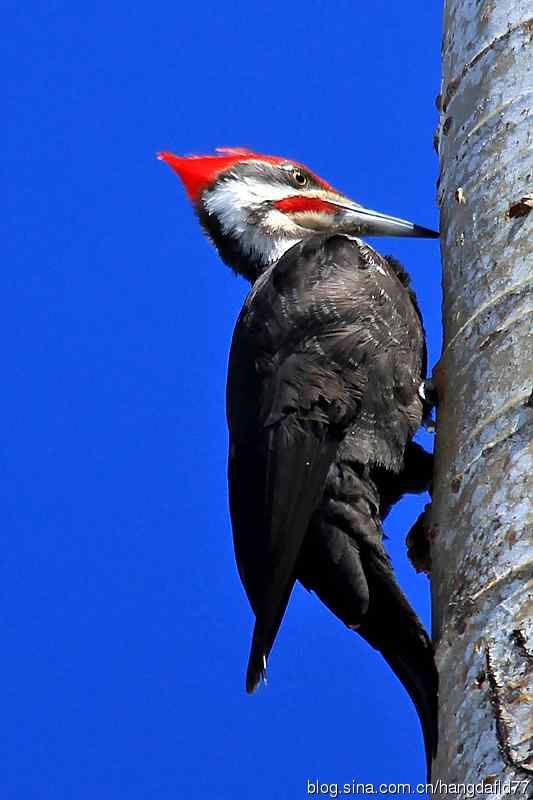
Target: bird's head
pixel 255 207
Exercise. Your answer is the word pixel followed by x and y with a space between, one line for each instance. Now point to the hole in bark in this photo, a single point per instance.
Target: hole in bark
pixel 521 208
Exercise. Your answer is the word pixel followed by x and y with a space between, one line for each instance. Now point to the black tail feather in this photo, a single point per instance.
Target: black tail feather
pixel 393 628
pixel 256 672
pixel 343 560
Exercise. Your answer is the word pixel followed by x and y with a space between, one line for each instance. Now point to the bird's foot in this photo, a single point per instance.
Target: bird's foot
pixel 419 540
pixel 428 392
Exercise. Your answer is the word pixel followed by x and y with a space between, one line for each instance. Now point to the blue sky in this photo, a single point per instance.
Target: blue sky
pixel 125 630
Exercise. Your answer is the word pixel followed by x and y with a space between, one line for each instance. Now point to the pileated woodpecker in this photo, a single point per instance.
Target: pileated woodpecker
pixel 324 396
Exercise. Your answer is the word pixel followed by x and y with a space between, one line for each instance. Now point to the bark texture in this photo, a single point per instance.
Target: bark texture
pixel 482 514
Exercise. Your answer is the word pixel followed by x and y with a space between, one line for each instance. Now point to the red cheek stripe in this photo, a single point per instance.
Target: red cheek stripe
pixel 297 204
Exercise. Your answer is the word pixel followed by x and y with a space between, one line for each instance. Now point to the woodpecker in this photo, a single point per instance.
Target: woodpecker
pixel 324 396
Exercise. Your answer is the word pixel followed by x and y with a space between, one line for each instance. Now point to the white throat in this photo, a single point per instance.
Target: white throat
pixel 234 202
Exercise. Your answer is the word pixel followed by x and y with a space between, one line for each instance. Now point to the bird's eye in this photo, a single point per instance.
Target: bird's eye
pixel 299 178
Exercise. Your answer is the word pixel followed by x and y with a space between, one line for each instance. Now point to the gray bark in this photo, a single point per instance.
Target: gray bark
pixel 482 513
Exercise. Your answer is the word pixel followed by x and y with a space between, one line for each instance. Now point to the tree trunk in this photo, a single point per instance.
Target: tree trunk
pixel 482 513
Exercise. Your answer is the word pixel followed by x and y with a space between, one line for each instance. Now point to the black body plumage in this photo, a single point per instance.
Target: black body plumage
pixel 323 400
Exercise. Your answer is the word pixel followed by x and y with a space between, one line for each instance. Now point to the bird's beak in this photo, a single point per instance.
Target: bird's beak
pixel 365 222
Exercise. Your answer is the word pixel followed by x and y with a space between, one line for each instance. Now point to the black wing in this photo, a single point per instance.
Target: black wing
pixel 316 351
pixel 275 485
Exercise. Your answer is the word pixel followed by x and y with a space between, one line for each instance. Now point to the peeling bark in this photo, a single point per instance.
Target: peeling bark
pixel 482 513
